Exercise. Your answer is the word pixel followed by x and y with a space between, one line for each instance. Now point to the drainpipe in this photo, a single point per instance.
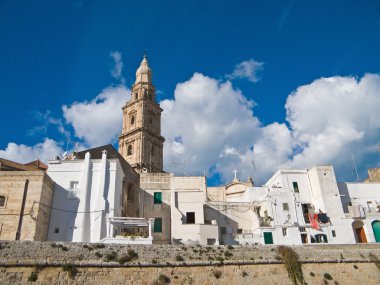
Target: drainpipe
pixel 18 233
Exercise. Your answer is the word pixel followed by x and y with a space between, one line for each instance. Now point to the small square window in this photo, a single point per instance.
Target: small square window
pixel 157 228
pixel 295 187
pixel 2 201
pixel 239 231
pixel 190 218
pixel 285 206
pixel 157 197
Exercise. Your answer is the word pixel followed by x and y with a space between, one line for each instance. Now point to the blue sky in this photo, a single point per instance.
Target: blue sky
pixel 56 53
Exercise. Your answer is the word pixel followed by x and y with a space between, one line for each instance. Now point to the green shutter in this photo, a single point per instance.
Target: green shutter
pixel 376 230
pixel 295 187
pixel 157 197
pixel 268 238
pixel 157 225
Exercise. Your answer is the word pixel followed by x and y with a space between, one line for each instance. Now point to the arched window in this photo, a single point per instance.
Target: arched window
pixel 129 150
pixel 132 119
pixel 2 201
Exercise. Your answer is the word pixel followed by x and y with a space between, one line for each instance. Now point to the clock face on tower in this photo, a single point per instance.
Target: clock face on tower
pixel 140 142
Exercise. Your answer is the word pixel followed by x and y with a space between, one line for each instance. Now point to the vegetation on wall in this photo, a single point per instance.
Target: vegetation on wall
pixel 292 264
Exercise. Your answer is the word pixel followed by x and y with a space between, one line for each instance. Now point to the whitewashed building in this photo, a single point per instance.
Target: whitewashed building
pixel 177 205
pixel 90 197
pixel 361 206
pixel 293 207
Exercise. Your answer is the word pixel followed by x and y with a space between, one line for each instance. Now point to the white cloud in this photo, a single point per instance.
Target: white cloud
pixel 118 67
pixel 247 69
pixel 204 118
pixel 332 117
pixel 209 124
pixel 44 151
pixel 98 121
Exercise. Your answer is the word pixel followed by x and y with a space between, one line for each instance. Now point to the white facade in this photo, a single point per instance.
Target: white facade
pixel 361 205
pixel 87 195
pixel 177 205
pixel 293 207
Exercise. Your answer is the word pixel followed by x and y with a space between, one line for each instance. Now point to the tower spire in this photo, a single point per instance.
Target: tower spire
pixel 140 142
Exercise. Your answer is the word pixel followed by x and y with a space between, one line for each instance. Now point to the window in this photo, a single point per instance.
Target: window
pixel 56 230
pixel 157 197
pixel 136 96
pixel 284 231
pixel 157 228
pixel 150 120
pixel 295 187
pixel 302 229
pixel 190 218
pixel 321 238
pixel 211 241
pixel 333 233
pixel 285 206
pixel 223 230
pixel 152 150
pixel 74 190
pixel 2 201
pixel 129 150
pixel 305 211
pixel 150 96
pixel 132 119
pixel 304 238
pixel 239 231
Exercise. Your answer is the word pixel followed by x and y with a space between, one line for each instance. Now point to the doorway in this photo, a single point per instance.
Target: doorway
pixel 359 232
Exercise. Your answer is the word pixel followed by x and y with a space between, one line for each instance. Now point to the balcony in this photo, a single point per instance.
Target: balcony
pixel 356 212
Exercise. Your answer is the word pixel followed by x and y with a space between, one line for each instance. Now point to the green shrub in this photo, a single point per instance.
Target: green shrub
pixel 123 259
pixel 228 253
pixel 163 278
pixel 179 258
pixel 154 261
pixel 217 274
pixel 64 248
pixel 312 274
pixel 230 247
pixel 111 256
pixel 99 245
pixel 71 269
pixel 98 254
pixel 132 254
pixel 33 277
pixel 355 266
pixel 327 276
pixel 244 274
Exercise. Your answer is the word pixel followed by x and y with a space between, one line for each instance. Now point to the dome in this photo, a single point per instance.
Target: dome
pixel 144 73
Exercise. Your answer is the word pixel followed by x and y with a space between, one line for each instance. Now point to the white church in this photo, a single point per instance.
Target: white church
pixel 106 196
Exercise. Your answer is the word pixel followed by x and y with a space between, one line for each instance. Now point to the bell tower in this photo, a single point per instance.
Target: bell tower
pixel 140 142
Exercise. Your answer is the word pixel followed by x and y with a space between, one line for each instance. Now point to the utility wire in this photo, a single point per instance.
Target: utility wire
pixel 67 211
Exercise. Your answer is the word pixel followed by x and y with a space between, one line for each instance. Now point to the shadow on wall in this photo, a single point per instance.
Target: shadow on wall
pixel 227 226
pixel 63 214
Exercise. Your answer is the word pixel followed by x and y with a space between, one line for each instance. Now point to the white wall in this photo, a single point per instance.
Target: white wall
pixel 82 219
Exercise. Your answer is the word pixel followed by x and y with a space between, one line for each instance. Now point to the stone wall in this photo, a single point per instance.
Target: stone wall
pixel 97 264
pixel 40 190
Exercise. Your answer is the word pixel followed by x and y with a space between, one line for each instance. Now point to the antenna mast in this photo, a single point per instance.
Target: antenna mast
pixel 356 170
